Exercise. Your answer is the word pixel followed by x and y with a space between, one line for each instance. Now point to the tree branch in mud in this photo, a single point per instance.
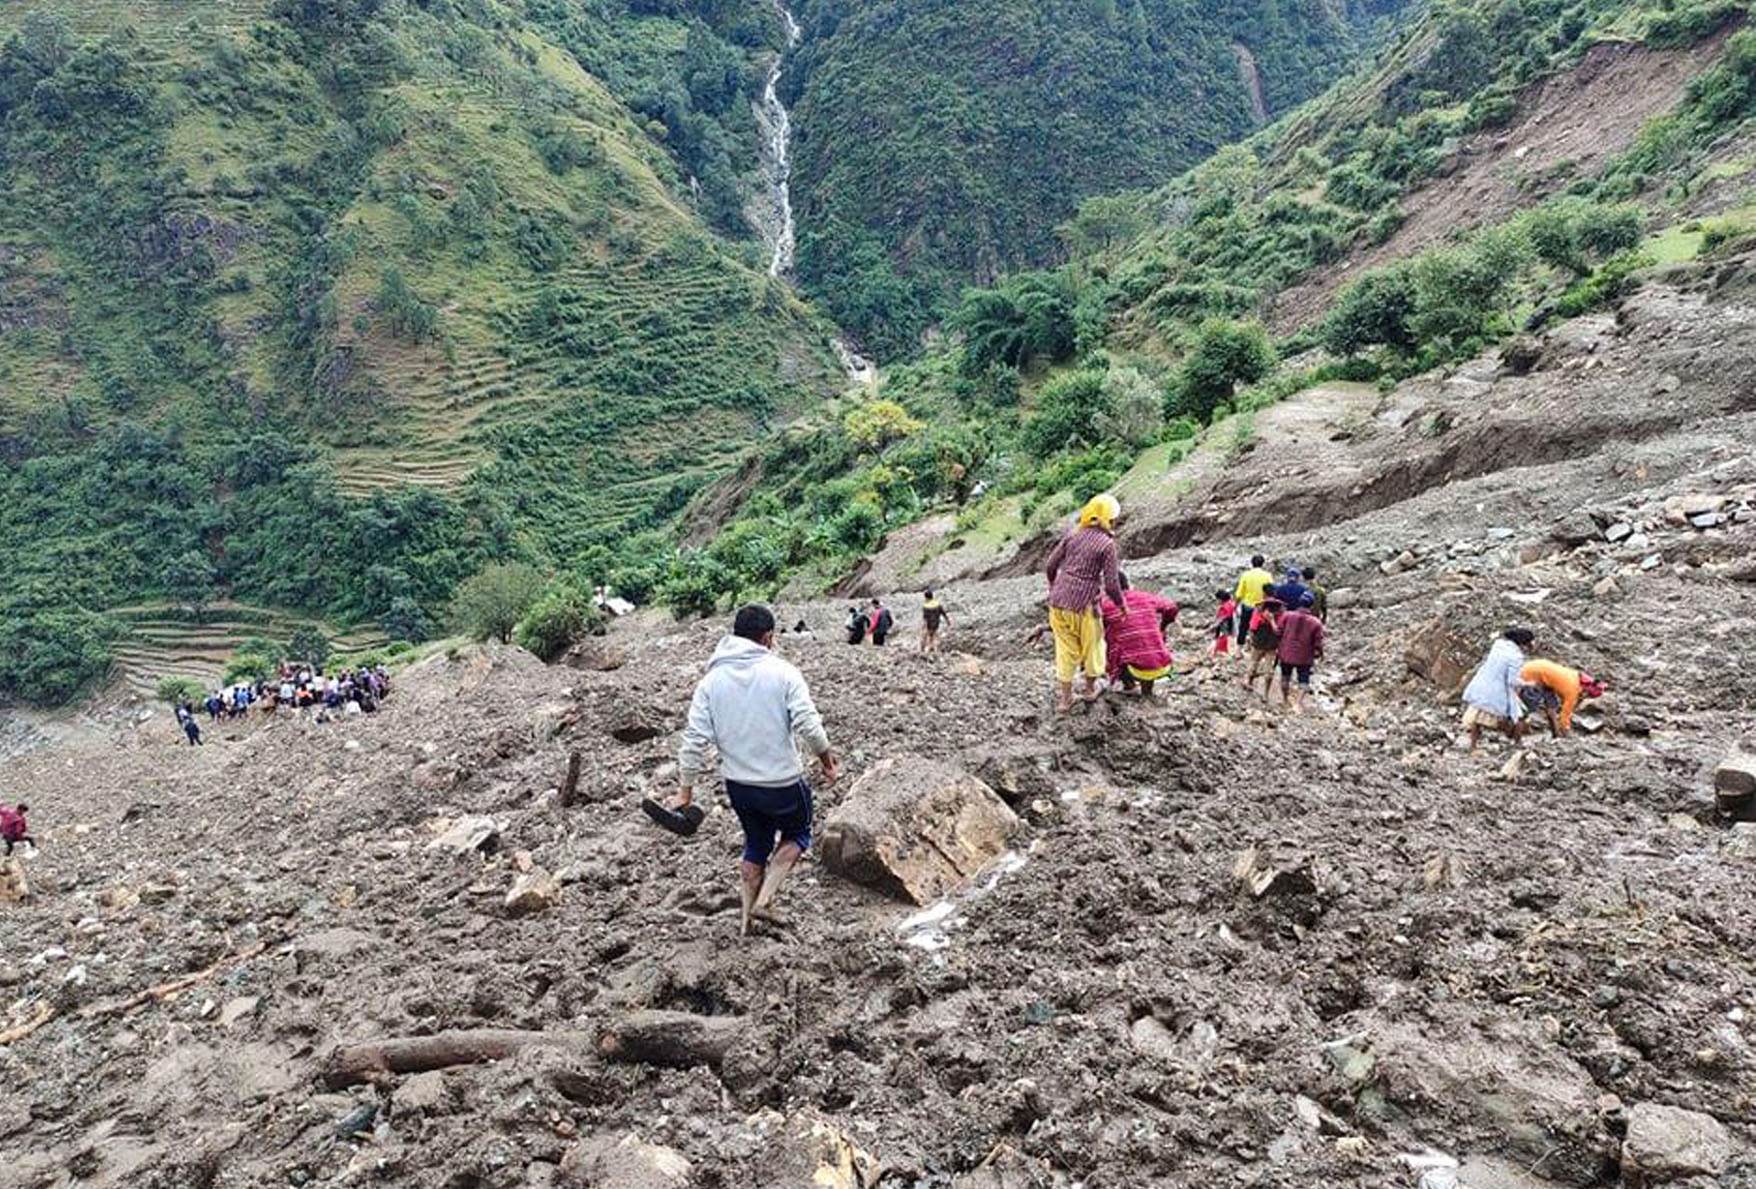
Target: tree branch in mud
pixel 349 1065
pixel 175 986
pixel 45 1013
pixel 672 1038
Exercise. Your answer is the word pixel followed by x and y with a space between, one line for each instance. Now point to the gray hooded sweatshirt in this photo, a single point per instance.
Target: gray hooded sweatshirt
pixel 750 705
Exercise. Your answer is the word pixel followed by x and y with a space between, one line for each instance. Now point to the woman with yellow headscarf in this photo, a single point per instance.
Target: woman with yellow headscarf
pixel 1083 568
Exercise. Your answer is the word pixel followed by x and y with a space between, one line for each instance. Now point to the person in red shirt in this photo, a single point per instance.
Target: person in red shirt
pixel 1264 637
pixel 1134 638
pixel 13 828
pixel 1225 625
pixel 1301 646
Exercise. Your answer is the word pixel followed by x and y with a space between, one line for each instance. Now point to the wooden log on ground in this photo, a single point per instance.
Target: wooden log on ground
pixel 671 1038
pixel 349 1065
pixel 570 786
pixel 173 988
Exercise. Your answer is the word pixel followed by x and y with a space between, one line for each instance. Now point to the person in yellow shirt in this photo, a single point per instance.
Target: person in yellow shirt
pixel 1556 690
pixel 1252 586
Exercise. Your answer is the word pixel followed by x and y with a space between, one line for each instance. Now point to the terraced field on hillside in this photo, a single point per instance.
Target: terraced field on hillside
pixel 163 641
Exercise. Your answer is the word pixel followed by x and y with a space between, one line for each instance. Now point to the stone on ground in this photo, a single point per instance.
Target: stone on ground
pixel 467 835
pixel 915 828
pixel 1734 781
pixel 1667 1143
pixel 807 1150
pixel 627 1163
pixel 533 891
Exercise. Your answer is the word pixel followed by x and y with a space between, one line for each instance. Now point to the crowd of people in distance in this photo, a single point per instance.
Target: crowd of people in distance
pixel 876 623
pixel 303 688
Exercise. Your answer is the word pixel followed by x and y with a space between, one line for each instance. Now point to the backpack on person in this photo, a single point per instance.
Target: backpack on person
pixel 1265 636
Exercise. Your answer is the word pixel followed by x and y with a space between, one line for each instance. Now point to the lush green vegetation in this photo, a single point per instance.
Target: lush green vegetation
pixel 941 142
pixel 326 304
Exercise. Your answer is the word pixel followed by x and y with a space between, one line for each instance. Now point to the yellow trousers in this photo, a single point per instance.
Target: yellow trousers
pixel 1079 643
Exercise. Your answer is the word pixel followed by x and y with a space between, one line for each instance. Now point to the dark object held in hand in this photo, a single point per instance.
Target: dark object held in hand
pixel 682 822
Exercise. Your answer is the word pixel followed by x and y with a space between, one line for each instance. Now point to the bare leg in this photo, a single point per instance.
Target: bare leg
pixel 1145 689
pixel 1286 692
pixel 749 888
pixel 1475 735
pixel 778 869
pixel 1064 694
pixel 1554 722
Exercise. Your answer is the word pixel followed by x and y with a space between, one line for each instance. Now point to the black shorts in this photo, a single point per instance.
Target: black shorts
pixel 1304 672
pixel 770 814
pixel 1539 698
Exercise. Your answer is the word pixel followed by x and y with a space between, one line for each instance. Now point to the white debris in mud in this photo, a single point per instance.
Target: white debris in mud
pixel 930 929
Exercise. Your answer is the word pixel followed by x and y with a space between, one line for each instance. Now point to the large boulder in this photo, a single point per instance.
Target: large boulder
pixel 1667 1143
pixel 1507 1087
pixel 915 828
pixel 1443 655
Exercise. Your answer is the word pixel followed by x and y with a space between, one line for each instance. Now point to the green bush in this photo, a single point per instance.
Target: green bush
pixel 1222 355
pixel 180 689
pixel 49 655
pixel 1067 414
pixel 562 615
pixel 1377 308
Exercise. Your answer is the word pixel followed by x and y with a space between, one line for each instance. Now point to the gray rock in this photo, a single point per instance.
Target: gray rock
pixel 534 891
pixel 1707 520
pixel 1620 531
pixel 421 1094
pixel 1667 1143
pixel 1651 562
pixel 467 836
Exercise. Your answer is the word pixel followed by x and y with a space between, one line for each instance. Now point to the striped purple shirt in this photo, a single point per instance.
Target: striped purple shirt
pixel 1083 567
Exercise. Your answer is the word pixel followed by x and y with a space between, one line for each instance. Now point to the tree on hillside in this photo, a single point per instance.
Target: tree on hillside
pixel 1372 310
pixel 189 579
pixel 489 605
pixel 1136 411
pixel 309 645
pixel 1223 355
pixel 878 423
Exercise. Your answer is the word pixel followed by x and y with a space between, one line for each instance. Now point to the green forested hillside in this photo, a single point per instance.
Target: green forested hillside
pixel 940 142
pixel 1052 385
pixel 322 303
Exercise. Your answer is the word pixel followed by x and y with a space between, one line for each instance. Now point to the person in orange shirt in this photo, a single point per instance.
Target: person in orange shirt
pixel 1556 690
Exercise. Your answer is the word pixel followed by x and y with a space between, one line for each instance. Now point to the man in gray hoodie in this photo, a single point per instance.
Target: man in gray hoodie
pixel 749 706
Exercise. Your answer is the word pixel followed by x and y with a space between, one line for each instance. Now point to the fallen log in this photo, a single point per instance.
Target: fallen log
pixel 349 1065
pixel 671 1038
pixel 172 988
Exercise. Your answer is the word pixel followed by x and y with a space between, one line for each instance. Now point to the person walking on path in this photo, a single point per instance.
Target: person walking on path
pixel 933 617
pixel 186 719
pixel 1301 647
pixel 1082 569
pixel 1292 592
pixel 749 706
pixel 1319 596
pixel 1264 639
pixel 1224 624
pixel 1252 587
pixel 856 626
pixel 1491 698
pixel 1134 638
pixel 1555 690
pixel 13 827
pixel 881 622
